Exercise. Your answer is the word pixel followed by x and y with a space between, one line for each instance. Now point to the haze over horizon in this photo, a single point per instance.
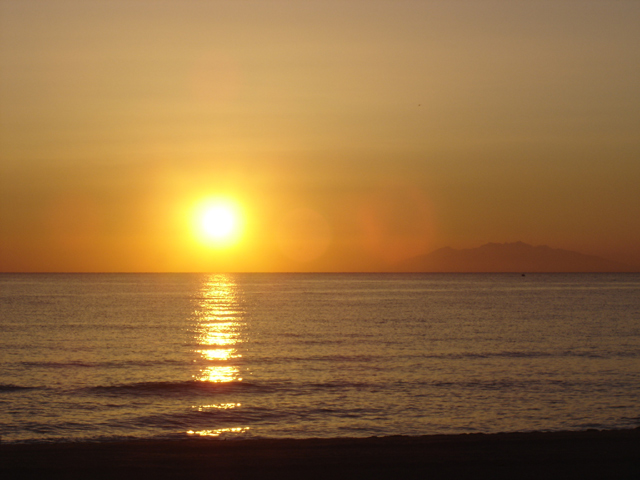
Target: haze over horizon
pixel 329 136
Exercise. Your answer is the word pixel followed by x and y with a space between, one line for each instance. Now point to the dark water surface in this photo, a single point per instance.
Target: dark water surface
pixel 104 356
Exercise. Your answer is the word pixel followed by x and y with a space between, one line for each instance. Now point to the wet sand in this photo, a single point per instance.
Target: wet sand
pixel 558 455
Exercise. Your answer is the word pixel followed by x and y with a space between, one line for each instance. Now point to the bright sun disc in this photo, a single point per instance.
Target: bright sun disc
pixel 219 223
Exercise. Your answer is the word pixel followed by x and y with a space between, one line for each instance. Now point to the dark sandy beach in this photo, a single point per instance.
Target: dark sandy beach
pixel 579 455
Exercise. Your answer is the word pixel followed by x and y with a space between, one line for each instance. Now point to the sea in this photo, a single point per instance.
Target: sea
pixel 103 357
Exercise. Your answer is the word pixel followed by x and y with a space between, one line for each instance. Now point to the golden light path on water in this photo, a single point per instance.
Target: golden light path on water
pixel 218 432
pixel 217 337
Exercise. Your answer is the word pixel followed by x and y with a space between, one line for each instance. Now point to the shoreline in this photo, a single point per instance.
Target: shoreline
pixel 567 454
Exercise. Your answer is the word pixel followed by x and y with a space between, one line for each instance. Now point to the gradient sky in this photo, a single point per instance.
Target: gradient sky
pixel 350 134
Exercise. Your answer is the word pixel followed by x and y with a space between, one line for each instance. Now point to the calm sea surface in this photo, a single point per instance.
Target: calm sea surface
pixel 106 356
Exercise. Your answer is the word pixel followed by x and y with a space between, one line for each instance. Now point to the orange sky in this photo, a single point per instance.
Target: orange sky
pixel 351 135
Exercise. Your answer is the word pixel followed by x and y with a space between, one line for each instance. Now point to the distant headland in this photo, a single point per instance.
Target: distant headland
pixel 510 257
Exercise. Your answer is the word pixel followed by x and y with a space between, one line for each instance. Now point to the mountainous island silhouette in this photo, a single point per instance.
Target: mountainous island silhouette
pixel 510 257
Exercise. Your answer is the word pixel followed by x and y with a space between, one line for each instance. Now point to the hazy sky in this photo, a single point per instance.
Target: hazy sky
pixel 350 134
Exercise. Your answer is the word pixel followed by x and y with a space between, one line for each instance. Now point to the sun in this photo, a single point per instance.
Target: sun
pixel 219 223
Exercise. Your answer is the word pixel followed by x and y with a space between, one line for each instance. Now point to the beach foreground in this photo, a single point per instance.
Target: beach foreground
pixel 579 455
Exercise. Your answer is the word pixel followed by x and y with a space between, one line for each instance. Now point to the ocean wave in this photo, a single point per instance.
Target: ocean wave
pixel 519 354
pixel 172 388
pixel 9 387
pixel 306 388
pixel 540 384
pixel 219 416
pixel 442 356
pixel 117 364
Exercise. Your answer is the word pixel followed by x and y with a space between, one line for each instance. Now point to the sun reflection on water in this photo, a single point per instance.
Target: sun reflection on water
pixel 218 336
pixel 217 432
pixel 219 354
pixel 219 406
pixel 218 330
